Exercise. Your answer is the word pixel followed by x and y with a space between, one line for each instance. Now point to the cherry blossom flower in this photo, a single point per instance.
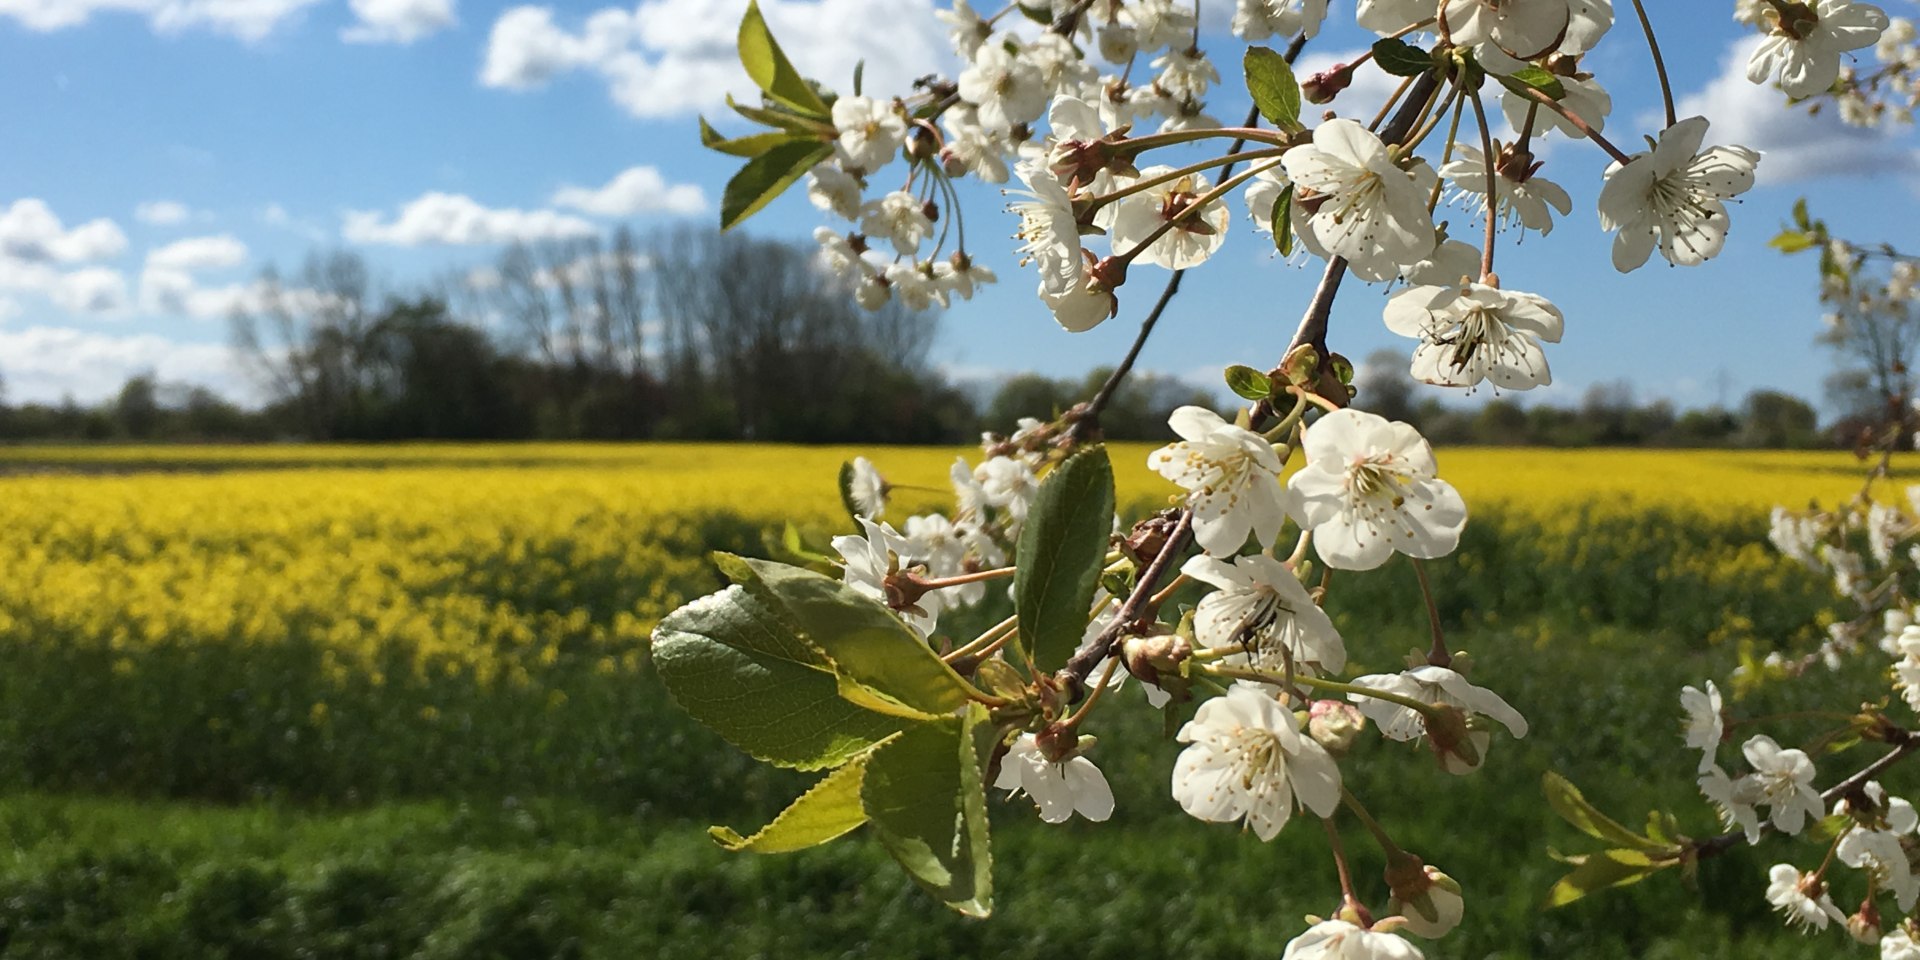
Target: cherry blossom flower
pixel 871 558
pixel 1061 787
pixel 1439 686
pixel 1451 263
pixel 968 29
pixel 1262 192
pixel 1705 724
pixel 870 132
pixel 962 275
pixel 1158 24
pixel 900 217
pixel 1802 898
pixel 1247 760
pixel 1185 72
pixel 1003 87
pixel 1899 944
pixel 1256 20
pixel 1437 910
pixel 1340 940
pixel 1802 48
pixel 1352 201
pixel 1392 16
pixel 867 488
pixel 1522 28
pixel 1261 607
pixel 1188 242
pixel 1233 477
pixel 1880 853
pixel 834 190
pixel 1368 489
pixel 1671 198
pixel 1008 484
pixel 1785 782
pixel 1049 228
pixel 1529 202
pixel 1734 799
pixel 1472 332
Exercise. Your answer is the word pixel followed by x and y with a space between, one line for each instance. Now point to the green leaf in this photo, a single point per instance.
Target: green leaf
pixel 1534 78
pixel 1275 90
pixel 769 67
pixel 827 810
pixel 883 665
pixel 1567 801
pixel 1249 383
pixel 766 177
pixel 784 119
pixel 925 795
pixel 1599 871
pixel 752 145
pixel 1800 214
pixel 1400 58
pixel 1791 241
pixel 730 663
pixel 1282 220
pixel 1062 548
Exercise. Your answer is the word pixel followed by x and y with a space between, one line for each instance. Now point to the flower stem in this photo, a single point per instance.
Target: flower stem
pixel 1148 183
pixel 1578 124
pixel 1493 203
pixel 1659 62
pixel 1437 655
pixel 1004 627
pixel 1386 844
pixel 1326 686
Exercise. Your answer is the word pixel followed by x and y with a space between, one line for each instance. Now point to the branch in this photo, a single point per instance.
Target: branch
pixel 1714 846
pixel 1073 676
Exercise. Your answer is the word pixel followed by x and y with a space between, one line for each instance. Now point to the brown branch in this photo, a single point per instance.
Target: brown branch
pixel 1133 612
pixel 1909 744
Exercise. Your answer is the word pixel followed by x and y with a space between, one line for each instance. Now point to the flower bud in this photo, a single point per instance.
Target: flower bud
pixel 1459 749
pixel 1322 87
pixel 1334 724
pixel 1864 925
pixel 1431 904
pixel 1151 656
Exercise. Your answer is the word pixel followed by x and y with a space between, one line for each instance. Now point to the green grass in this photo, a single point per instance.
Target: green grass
pixel 191 808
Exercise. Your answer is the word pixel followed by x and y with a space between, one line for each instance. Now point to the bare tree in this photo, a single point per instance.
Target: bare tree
pixel 310 344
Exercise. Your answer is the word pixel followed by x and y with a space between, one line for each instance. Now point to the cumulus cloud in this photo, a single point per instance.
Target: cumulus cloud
pixel 248 20
pixel 47 364
pixel 1794 145
pixel 90 290
pixel 456 219
pixel 30 231
pixel 162 213
pixel 634 191
pixel 198 253
pixel 397 21
pixel 669 57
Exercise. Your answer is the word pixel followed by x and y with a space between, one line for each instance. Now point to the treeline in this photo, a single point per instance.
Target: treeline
pixel 1608 415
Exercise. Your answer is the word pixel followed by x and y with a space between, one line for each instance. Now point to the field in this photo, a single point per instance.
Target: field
pixel 394 702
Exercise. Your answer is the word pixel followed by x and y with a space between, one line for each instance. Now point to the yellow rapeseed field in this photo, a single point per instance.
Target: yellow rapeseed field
pixel 470 559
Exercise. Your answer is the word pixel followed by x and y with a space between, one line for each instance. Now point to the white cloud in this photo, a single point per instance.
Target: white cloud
pixel 47 364
pixel 30 231
pixel 397 21
pixel 248 20
pixel 90 290
pixel 1793 144
pixel 634 191
pixel 177 292
pixel 668 57
pixel 456 219
pixel 162 213
pixel 198 253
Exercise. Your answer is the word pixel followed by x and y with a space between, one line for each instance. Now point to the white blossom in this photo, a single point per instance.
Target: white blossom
pixel 1523 28
pixel 1352 201
pixel 835 191
pixel 1189 241
pixel 1734 799
pixel 1880 853
pixel 871 558
pixel 1008 484
pixel 900 217
pixel 1529 202
pixel 867 488
pixel 1785 782
pixel 1003 87
pixel 1368 489
pixel 1185 72
pixel 1061 788
pixel 1802 50
pixel 1255 20
pixel 1789 891
pixel 1247 760
pixel 1705 724
pixel 1671 198
pixel 870 132
pixel 1451 263
pixel 1473 331
pixel 1260 606
pixel 1340 940
pixel 1439 686
pixel 1392 16
pixel 1899 944
pixel 1233 479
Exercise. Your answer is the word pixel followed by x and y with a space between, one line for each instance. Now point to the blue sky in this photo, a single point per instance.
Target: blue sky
pixel 161 152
